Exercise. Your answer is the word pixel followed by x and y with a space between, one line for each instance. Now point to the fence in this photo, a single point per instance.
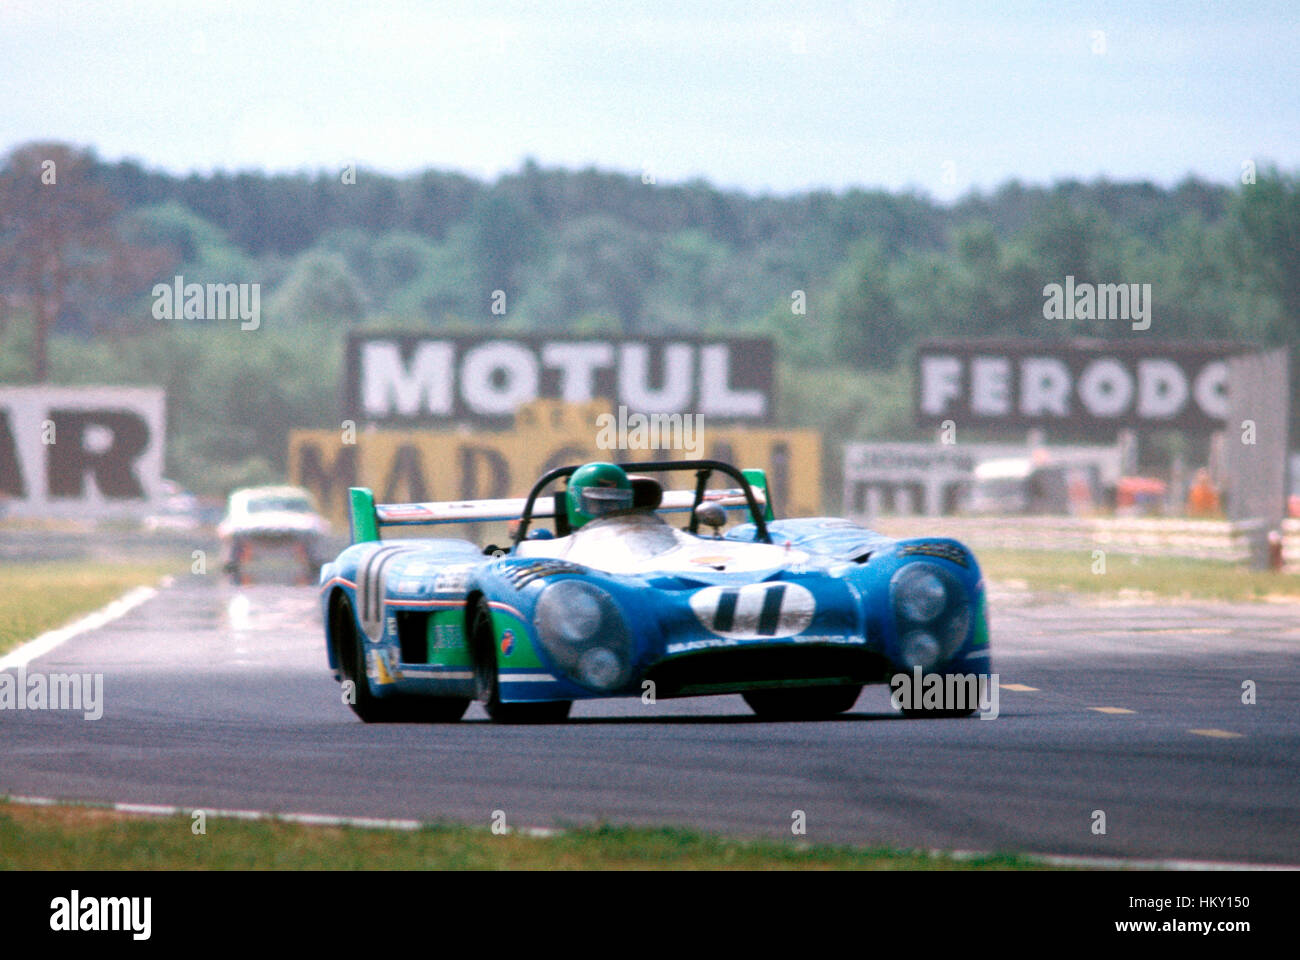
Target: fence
pixel 1167 536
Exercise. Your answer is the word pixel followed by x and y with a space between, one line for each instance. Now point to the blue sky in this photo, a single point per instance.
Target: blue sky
pixel 780 97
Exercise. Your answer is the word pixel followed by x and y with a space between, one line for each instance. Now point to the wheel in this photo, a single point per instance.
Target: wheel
pixel 802 703
pixel 484 647
pixel 392 709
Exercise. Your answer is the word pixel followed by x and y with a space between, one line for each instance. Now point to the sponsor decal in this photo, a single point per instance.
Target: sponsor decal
pixel 507 642
pixel 714 643
pixel 944 551
pixel 452 579
pixel 448 636
pixel 522 574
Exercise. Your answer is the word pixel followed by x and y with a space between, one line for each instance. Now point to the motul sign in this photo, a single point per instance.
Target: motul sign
pixel 1085 385
pixel 411 379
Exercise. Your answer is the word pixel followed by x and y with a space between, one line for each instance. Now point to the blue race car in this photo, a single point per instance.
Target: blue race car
pixel 612 600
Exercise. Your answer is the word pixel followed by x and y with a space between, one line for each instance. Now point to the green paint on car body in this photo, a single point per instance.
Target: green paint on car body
pixel 365 522
pixel 981 624
pixel 445 638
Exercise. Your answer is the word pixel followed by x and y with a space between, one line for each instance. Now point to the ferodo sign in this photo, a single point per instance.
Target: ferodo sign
pixel 404 466
pixel 408 379
pixel 80 451
pixel 1086 385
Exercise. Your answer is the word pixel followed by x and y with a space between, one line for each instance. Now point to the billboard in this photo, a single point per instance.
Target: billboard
pixel 80 451
pixel 422 465
pixel 1084 386
pixel 913 478
pixel 406 379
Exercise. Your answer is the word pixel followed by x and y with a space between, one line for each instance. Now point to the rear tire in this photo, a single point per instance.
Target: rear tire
pixel 392 709
pixel 803 703
pixel 489 689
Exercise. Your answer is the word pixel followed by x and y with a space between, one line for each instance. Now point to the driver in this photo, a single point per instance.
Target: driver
pixel 629 536
pixel 597 490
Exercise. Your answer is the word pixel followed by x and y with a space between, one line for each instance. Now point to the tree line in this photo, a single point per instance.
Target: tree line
pixel 846 282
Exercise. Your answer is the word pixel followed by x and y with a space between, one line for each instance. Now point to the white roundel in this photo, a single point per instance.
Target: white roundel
pixel 755 610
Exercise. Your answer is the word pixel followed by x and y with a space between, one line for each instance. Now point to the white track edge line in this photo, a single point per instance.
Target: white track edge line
pixel 47 641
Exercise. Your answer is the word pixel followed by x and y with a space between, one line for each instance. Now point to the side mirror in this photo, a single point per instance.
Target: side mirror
pixel 711 515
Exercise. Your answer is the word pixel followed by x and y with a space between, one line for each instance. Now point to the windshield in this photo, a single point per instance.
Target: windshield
pixel 276 504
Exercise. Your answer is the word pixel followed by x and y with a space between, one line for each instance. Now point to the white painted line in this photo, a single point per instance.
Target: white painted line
pixel 152 809
pixel 1113 863
pixel 47 641
pixel 526 678
pixel 367 823
pixel 162 810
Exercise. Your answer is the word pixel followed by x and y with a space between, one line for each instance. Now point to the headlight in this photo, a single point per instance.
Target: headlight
pixel 931 611
pixel 574 618
pixel 582 629
pixel 920 594
pixel 921 649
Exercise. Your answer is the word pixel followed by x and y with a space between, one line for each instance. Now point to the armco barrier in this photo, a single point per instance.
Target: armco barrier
pixel 1168 536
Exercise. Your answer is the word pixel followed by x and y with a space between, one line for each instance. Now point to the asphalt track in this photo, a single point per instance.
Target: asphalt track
pixel 218 697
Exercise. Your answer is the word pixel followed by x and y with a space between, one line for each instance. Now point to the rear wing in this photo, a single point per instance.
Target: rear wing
pixel 369 517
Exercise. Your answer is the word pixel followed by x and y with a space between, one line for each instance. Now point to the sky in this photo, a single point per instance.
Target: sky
pixel 937 97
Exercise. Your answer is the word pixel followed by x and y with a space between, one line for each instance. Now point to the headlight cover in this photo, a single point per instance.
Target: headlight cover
pixel 583 631
pixel 931 612
pixel 919 592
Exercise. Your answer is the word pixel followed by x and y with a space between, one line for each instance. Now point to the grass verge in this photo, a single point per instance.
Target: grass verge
pixel 37 597
pixel 87 838
pixel 1131 575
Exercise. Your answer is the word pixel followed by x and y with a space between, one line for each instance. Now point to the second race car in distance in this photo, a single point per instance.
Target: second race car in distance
pixel 276 522
pixel 599 596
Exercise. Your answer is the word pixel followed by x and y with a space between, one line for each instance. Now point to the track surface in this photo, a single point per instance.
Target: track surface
pixel 219 697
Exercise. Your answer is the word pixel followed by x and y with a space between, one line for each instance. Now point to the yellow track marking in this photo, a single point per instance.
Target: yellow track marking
pixel 1219 734
pixel 1112 710
pixel 1020 687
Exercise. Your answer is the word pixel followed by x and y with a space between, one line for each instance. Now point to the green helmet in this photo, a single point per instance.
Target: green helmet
pixel 597 489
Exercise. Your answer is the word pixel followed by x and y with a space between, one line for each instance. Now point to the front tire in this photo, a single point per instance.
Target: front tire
pixel 803 703
pixel 489 687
